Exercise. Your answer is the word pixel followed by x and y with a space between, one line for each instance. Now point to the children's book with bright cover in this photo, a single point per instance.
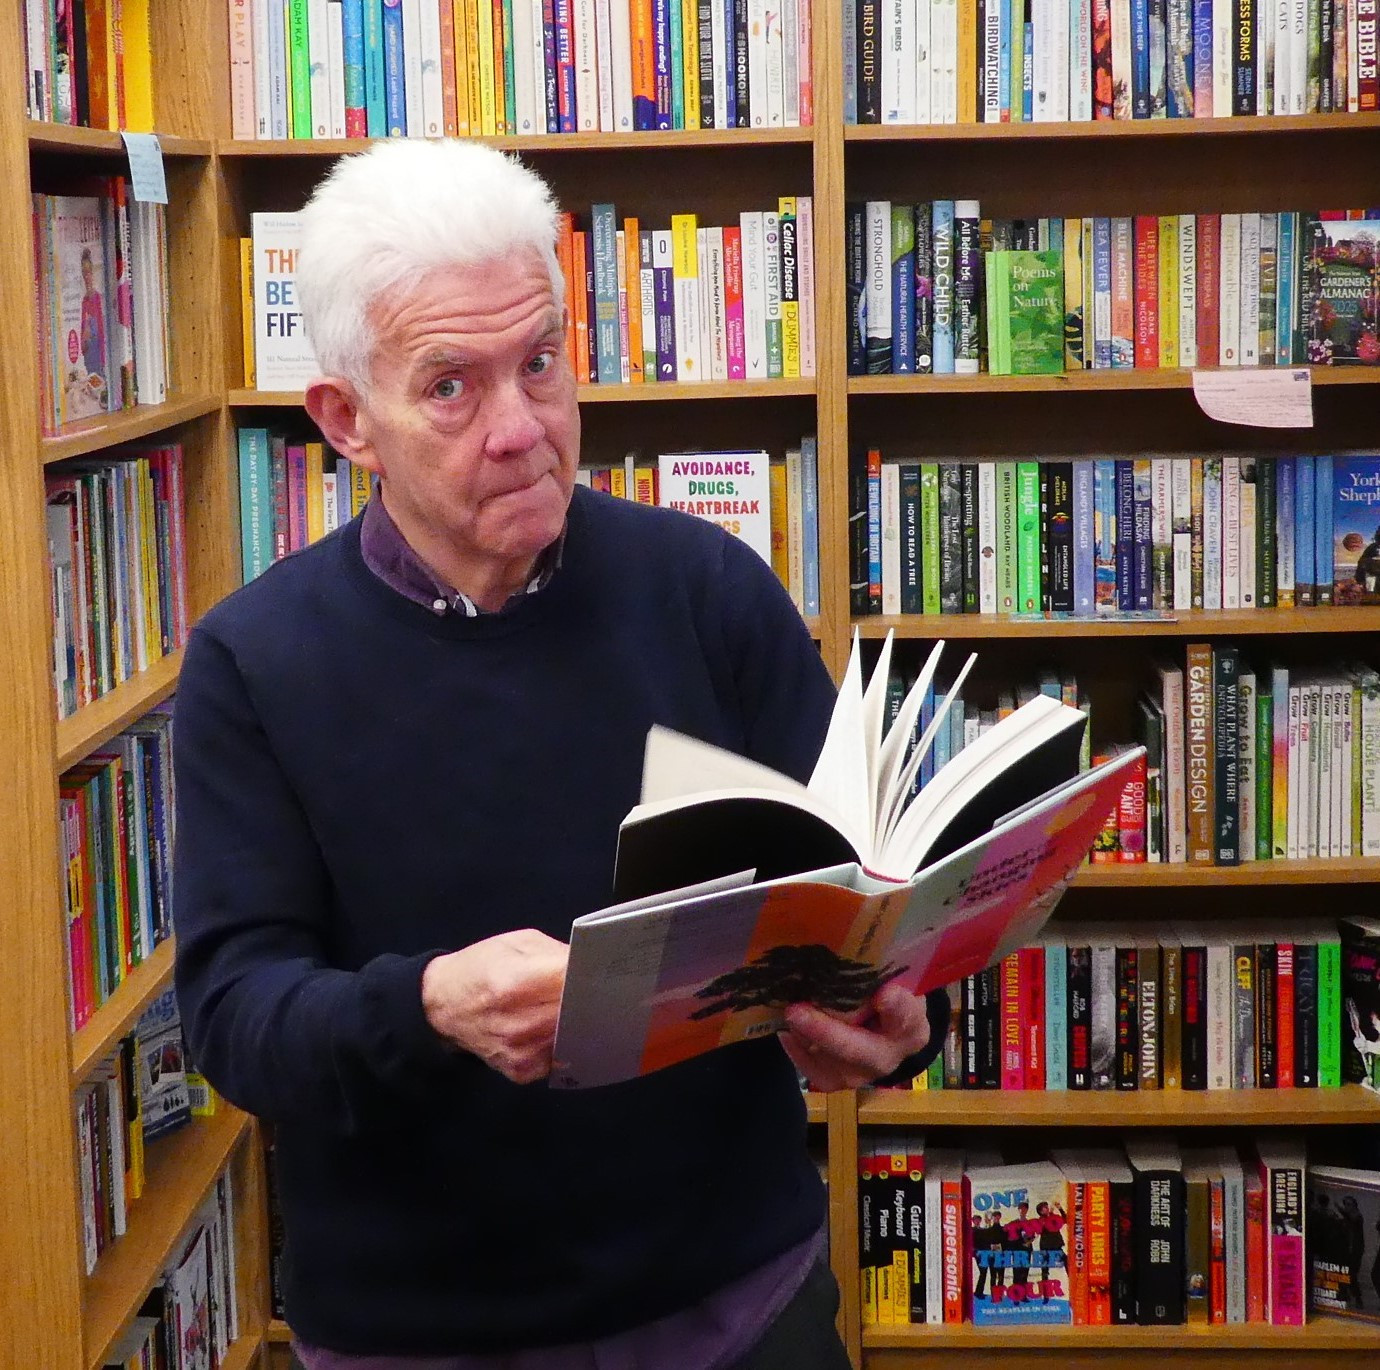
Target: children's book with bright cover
pixel 744 892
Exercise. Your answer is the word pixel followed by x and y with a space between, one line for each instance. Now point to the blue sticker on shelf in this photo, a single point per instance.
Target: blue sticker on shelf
pixel 146 167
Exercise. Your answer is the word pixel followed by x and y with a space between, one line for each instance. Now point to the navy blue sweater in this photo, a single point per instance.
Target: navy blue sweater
pixel 362 785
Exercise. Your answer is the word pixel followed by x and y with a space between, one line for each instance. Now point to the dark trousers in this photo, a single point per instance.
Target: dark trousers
pixel 803 1336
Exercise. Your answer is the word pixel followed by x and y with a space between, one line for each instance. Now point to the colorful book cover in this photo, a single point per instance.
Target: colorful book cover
pixel 1018 1267
pixel 1343 274
pixel 1034 312
pixel 83 351
pixel 727 488
pixel 283 358
pixel 1344 1241
pixel 1356 530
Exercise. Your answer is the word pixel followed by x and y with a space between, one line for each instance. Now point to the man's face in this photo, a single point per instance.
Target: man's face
pixel 472 422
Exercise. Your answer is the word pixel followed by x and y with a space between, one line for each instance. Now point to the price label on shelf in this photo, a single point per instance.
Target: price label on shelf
pixel 146 167
pixel 1275 397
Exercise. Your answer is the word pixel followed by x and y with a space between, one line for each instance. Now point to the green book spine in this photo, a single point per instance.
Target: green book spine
pixel 995 277
pixel 929 537
pixel 1264 772
pixel 1266 573
pixel 1006 537
pixel 299 65
pixel 1033 313
pixel 1329 1013
pixel 1027 537
pixel 509 76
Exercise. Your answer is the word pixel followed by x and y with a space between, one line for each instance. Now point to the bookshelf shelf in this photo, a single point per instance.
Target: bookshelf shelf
pixel 93 1042
pixel 651 141
pixel 97 722
pixel 1111 129
pixel 181 1169
pixel 1350 1105
pixel 1191 623
pixel 662 392
pixel 243 1354
pixel 1332 871
pixel 278 1333
pixel 67 138
pixel 1332 1334
pixel 1068 381
pixel 95 435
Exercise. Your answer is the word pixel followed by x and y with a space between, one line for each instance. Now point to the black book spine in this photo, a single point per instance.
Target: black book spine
pixel 1159 1224
pixel 924 288
pixel 1244 46
pixel 1327 47
pixel 869 63
pixel 858 600
pixel 951 532
pixel 1127 1019
pixel 1046 513
pixel 855 265
pixel 1060 534
pixel 1080 1017
pixel 1193 1039
pixel 1306 1015
pixel 971 1076
pixel 1266 1017
pixel 705 10
pixel 971 570
pixel 989 1029
pixel 742 110
pixel 1123 1253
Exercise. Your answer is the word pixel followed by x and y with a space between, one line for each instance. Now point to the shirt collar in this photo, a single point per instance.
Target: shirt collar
pixel 394 561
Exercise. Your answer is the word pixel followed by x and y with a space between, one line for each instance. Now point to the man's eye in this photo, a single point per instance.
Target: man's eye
pixel 541 363
pixel 451 388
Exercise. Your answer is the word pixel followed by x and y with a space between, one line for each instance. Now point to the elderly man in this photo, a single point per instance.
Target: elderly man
pixel 403 755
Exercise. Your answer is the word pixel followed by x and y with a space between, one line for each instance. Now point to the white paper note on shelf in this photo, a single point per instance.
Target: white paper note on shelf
pixel 146 167
pixel 1274 397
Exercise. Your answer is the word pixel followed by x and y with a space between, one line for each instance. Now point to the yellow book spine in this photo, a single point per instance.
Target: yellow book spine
pixel 488 111
pixel 776 488
pixel 685 256
pixel 1169 290
pixel 359 489
pixel 138 66
pixel 790 287
pixel 967 61
pixel 1074 303
pixel 900 1286
pixel 316 493
pixel 690 39
pixel 633 271
pixel 462 68
pixel 644 483
pixel 474 80
pixel 114 61
pixel 247 309
pixel 618 482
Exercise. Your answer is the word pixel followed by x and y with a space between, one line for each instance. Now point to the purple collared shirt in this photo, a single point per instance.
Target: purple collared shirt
pixel 712 1334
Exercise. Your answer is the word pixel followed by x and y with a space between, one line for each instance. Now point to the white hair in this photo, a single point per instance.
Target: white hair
pixel 385 218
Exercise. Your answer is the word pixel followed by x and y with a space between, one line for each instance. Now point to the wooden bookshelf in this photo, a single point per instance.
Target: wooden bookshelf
pixel 661 392
pixel 1111 131
pixel 85 142
pixel 109 430
pixel 181 1168
pixel 96 1039
pixel 1190 623
pixel 1345 870
pixel 1349 1106
pixel 99 721
pixel 1159 378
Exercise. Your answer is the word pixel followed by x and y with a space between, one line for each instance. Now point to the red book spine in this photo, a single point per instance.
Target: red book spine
pixel 733 303
pixel 1217 1254
pixel 1284 1015
pixel 1130 816
pixel 1147 295
pixel 1032 977
pixel 954 1256
pixel 1098 1198
pixel 1367 75
pixel 1255 1249
pixel 1012 1024
pixel 1208 270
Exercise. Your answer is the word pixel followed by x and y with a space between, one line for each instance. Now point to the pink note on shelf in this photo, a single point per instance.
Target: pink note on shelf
pixel 1274 397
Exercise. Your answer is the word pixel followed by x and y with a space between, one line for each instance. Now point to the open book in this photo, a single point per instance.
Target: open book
pixel 743 891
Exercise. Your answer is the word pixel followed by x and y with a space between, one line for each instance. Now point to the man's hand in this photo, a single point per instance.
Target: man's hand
pixel 832 1053
pixel 498 999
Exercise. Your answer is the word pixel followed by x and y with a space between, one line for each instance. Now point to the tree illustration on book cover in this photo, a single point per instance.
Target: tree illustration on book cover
pixel 1344 280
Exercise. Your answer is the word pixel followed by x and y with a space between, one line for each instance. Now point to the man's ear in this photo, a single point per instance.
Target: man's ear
pixel 334 406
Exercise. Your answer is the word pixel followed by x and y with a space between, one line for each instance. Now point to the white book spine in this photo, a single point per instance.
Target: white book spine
pixel 776 69
pixel 433 109
pixel 686 299
pixel 921 52
pixel 1188 290
pixel 1212 533
pixel 1045 16
pixel 891 538
pixel 1121 57
pixel 603 63
pixel 718 319
pixel 1223 46
pixel 754 295
pixel 1181 520
pixel 1320 766
pixel 757 61
pixel 1219 1015
pixel 706 348
pixel 1234 1211
pixel 647 279
pixel 412 67
pixel 1297 729
pixel 898 62
pixel 878 273
pixel 1245 525
pixel 805 275
pixel 1175 761
pixel 528 105
pixel 335 66
pixel 586 66
pixel 1298 56
pixel 263 78
pixel 1340 842
pixel 1063 61
pixel 536 67
pixel 1250 290
pixel 1231 533
pixel 318 58
pixel 790 61
pixel 1264 58
pixel 987 537
pixel 620 64
pixel 1080 66
pixel 1229 291
pixel 934 1250
pixel 991 60
pixel 948 9
pixel 1367 728
pixel 1280 15
pixel 1346 707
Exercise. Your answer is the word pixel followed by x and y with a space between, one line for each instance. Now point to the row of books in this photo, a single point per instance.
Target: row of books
pixel 191 1318
pixel 1184 1006
pixel 102 286
pixel 138 1094
pixel 1146 291
pixel 1149 1233
pixel 118 564
pixel 982 61
pixel 116 814
pixel 1088 536
pixel 88 62
pixel 486 68
pixel 1260 763
pixel 686 303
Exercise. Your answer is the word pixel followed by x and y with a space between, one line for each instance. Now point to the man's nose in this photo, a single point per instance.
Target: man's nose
pixel 512 422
